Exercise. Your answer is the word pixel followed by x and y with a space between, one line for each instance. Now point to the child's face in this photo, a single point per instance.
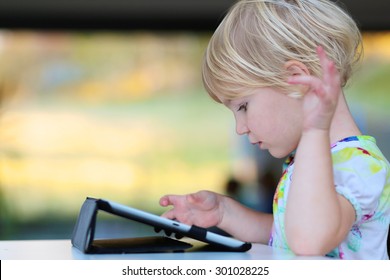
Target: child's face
pixel 272 120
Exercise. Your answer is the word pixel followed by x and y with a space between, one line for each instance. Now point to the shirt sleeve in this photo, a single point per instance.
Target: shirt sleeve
pixel 360 177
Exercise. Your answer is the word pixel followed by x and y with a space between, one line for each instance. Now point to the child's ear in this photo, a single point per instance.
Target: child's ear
pixel 295 67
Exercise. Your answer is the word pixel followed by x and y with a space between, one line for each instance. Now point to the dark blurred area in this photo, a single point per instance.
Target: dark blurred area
pixel 150 14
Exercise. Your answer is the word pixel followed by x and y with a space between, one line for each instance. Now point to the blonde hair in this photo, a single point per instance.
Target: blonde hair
pixel 257 37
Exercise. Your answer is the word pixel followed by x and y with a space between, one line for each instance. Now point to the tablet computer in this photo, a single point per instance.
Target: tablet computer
pixel 172 226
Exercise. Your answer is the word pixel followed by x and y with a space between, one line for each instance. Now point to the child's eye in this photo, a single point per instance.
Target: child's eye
pixel 243 107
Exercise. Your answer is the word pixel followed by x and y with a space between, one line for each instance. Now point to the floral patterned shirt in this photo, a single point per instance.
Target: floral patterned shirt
pixel 361 175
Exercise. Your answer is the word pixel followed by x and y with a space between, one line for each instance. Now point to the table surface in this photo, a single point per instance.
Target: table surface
pixel 63 250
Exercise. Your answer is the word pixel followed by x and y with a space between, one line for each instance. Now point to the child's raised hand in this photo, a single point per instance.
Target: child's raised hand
pixel 200 209
pixel 320 100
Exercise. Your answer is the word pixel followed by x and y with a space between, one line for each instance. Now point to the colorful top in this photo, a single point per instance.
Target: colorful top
pixel 361 175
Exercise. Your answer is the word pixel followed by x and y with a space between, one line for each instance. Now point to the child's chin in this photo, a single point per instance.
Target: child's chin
pixel 277 153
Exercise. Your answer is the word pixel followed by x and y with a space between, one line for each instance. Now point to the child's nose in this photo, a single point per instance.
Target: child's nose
pixel 241 128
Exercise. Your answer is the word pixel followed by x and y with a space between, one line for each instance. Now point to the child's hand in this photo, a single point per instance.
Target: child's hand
pixel 202 208
pixel 320 101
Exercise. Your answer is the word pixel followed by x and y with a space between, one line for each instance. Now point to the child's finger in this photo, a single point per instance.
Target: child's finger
pixel 322 56
pixel 164 201
pixel 167 200
pixel 312 82
pixel 326 64
pixel 330 74
pixel 170 214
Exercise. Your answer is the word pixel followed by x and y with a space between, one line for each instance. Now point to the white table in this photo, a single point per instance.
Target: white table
pixel 63 250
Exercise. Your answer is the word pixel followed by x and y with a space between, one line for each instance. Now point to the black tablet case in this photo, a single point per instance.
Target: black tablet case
pixel 84 233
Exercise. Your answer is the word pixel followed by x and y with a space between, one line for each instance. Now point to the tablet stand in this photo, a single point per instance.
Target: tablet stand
pixel 84 233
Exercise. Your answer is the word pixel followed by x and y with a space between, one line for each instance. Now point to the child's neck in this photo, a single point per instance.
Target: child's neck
pixel 343 124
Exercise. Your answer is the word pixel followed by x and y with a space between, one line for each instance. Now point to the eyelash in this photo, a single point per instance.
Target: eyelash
pixel 243 107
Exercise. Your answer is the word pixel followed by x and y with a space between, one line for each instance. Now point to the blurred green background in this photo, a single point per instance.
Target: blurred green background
pixel 123 116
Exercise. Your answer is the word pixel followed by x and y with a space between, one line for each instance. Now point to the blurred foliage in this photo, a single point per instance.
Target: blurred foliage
pixel 117 116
